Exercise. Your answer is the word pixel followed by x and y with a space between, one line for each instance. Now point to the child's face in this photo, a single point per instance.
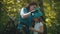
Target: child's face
pixel 36 19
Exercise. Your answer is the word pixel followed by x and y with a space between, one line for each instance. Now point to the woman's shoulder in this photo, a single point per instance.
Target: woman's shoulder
pixel 23 7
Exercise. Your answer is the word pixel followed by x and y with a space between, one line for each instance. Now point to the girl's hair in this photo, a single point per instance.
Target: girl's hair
pixel 30 4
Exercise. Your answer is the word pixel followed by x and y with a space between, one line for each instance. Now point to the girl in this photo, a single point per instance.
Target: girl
pixel 38 27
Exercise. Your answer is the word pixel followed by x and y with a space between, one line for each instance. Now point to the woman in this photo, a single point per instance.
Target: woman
pixel 26 17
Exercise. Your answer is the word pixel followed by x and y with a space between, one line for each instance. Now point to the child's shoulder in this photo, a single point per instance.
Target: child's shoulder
pixel 41 24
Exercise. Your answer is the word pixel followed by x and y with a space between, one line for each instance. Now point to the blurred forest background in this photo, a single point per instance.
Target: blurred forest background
pixel 50 9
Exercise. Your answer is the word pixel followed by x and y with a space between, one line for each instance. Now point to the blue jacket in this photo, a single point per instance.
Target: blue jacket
pixel 26 21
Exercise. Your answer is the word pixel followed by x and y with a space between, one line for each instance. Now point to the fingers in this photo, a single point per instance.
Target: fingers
pixel 32 10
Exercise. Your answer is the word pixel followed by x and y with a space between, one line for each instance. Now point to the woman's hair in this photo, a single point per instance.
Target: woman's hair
pixel 30 4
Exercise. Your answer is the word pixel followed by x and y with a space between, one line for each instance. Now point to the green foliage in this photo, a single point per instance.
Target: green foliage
pixel 51 10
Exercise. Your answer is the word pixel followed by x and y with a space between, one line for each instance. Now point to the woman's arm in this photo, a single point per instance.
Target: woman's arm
pixel 25 15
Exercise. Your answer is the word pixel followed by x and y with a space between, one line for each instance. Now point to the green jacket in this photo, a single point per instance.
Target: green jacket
pixel 37 13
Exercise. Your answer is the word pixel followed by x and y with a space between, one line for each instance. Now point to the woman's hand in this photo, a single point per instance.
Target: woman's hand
pixel 32 10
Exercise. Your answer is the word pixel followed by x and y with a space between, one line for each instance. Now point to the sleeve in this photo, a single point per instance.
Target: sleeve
pixel 22 11
pixel 39 11
pixel 41 24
